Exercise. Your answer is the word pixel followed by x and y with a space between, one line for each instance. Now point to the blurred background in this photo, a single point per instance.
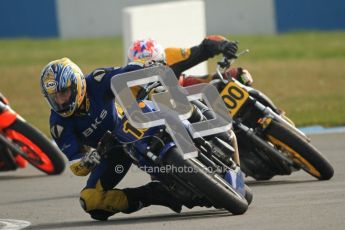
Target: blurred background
pixel 297 47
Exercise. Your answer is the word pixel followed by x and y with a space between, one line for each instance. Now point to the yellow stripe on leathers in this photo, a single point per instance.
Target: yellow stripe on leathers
pixel 175 55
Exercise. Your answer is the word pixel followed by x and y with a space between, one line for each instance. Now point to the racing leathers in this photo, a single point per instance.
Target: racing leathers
pixel 98 114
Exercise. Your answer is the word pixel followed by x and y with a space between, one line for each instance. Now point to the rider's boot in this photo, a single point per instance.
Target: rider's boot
pixel 153 193
pixel 101 204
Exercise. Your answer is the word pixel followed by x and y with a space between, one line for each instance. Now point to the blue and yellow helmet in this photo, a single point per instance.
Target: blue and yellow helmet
pixel 63 76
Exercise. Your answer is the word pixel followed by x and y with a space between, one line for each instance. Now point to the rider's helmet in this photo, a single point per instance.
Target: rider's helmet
pixel 63 85
pixel 146 52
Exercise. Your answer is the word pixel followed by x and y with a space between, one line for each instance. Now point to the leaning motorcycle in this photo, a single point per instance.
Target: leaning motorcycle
pixel 210 179
pixel 21 143
pixel 269 142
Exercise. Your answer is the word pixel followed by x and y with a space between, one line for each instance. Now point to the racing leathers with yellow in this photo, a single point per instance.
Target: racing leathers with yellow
pixel 83 110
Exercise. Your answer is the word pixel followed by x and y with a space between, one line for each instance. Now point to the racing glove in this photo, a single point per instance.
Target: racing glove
pixel 86 163
pixel 218 44
pixel 228 49
pixel 158 89
pixel 91 159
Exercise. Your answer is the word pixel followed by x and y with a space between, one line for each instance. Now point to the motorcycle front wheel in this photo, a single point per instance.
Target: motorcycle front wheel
pixel 302 152
pixel 211 185
pixel 36 148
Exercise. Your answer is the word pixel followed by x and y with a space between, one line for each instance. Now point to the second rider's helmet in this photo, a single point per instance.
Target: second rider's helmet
pixel 146 52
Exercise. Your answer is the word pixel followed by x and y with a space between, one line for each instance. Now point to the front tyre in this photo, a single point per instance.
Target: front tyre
pixel 39 151
pixel 249 194
pixel 211 185
pixel 303 153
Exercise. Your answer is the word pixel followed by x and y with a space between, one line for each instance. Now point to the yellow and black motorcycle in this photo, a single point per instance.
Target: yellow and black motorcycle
pixel 269 142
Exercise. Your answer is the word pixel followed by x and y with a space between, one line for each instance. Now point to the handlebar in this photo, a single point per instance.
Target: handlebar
pixel 225 63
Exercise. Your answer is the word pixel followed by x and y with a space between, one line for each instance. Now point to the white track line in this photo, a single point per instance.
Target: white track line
pixel 10 224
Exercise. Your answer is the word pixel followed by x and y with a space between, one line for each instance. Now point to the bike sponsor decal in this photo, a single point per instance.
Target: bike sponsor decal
pixel 98 120
pixel 49 82
pixel 50 86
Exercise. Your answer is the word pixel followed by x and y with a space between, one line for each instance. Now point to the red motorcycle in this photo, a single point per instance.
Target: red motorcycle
pixel 21 143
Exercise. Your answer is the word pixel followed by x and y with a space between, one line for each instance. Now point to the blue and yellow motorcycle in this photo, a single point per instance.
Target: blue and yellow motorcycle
pixel 211 179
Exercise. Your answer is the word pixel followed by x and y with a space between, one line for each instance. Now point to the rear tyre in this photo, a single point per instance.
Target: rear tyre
pixel 304 154
pixel 38 149
pixel 211 185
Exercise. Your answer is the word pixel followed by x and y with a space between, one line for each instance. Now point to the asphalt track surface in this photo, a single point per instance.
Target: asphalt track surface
pixel 290 202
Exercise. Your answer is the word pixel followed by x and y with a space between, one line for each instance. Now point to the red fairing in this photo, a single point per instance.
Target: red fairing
pixel 21 162
pixel 189 81
pixel 7 117
pixel 234 72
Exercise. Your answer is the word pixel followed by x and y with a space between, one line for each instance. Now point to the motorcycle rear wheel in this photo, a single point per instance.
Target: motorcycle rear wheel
pixel 211 185
pixel 303 153
pixel 37 149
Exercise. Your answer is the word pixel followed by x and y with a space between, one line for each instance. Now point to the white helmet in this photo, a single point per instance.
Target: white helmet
pixel 146 52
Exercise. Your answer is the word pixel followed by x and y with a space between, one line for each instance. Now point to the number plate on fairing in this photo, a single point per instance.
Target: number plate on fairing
pixel 234 97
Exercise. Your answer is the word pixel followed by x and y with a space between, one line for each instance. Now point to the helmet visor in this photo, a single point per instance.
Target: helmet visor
pixel 63 101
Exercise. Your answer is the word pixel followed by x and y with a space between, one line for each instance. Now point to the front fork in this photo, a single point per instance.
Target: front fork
pixel 269 114
pixel 284 162
pixel 7 160
pixel 236 155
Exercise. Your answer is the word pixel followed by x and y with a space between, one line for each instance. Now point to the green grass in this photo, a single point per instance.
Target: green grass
pixel 303 73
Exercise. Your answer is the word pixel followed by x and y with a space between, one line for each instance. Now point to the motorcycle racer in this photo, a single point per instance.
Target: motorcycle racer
pixel 181 59
pixel 82 111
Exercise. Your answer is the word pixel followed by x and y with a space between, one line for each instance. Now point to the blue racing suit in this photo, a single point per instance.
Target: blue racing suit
pixel 85 129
